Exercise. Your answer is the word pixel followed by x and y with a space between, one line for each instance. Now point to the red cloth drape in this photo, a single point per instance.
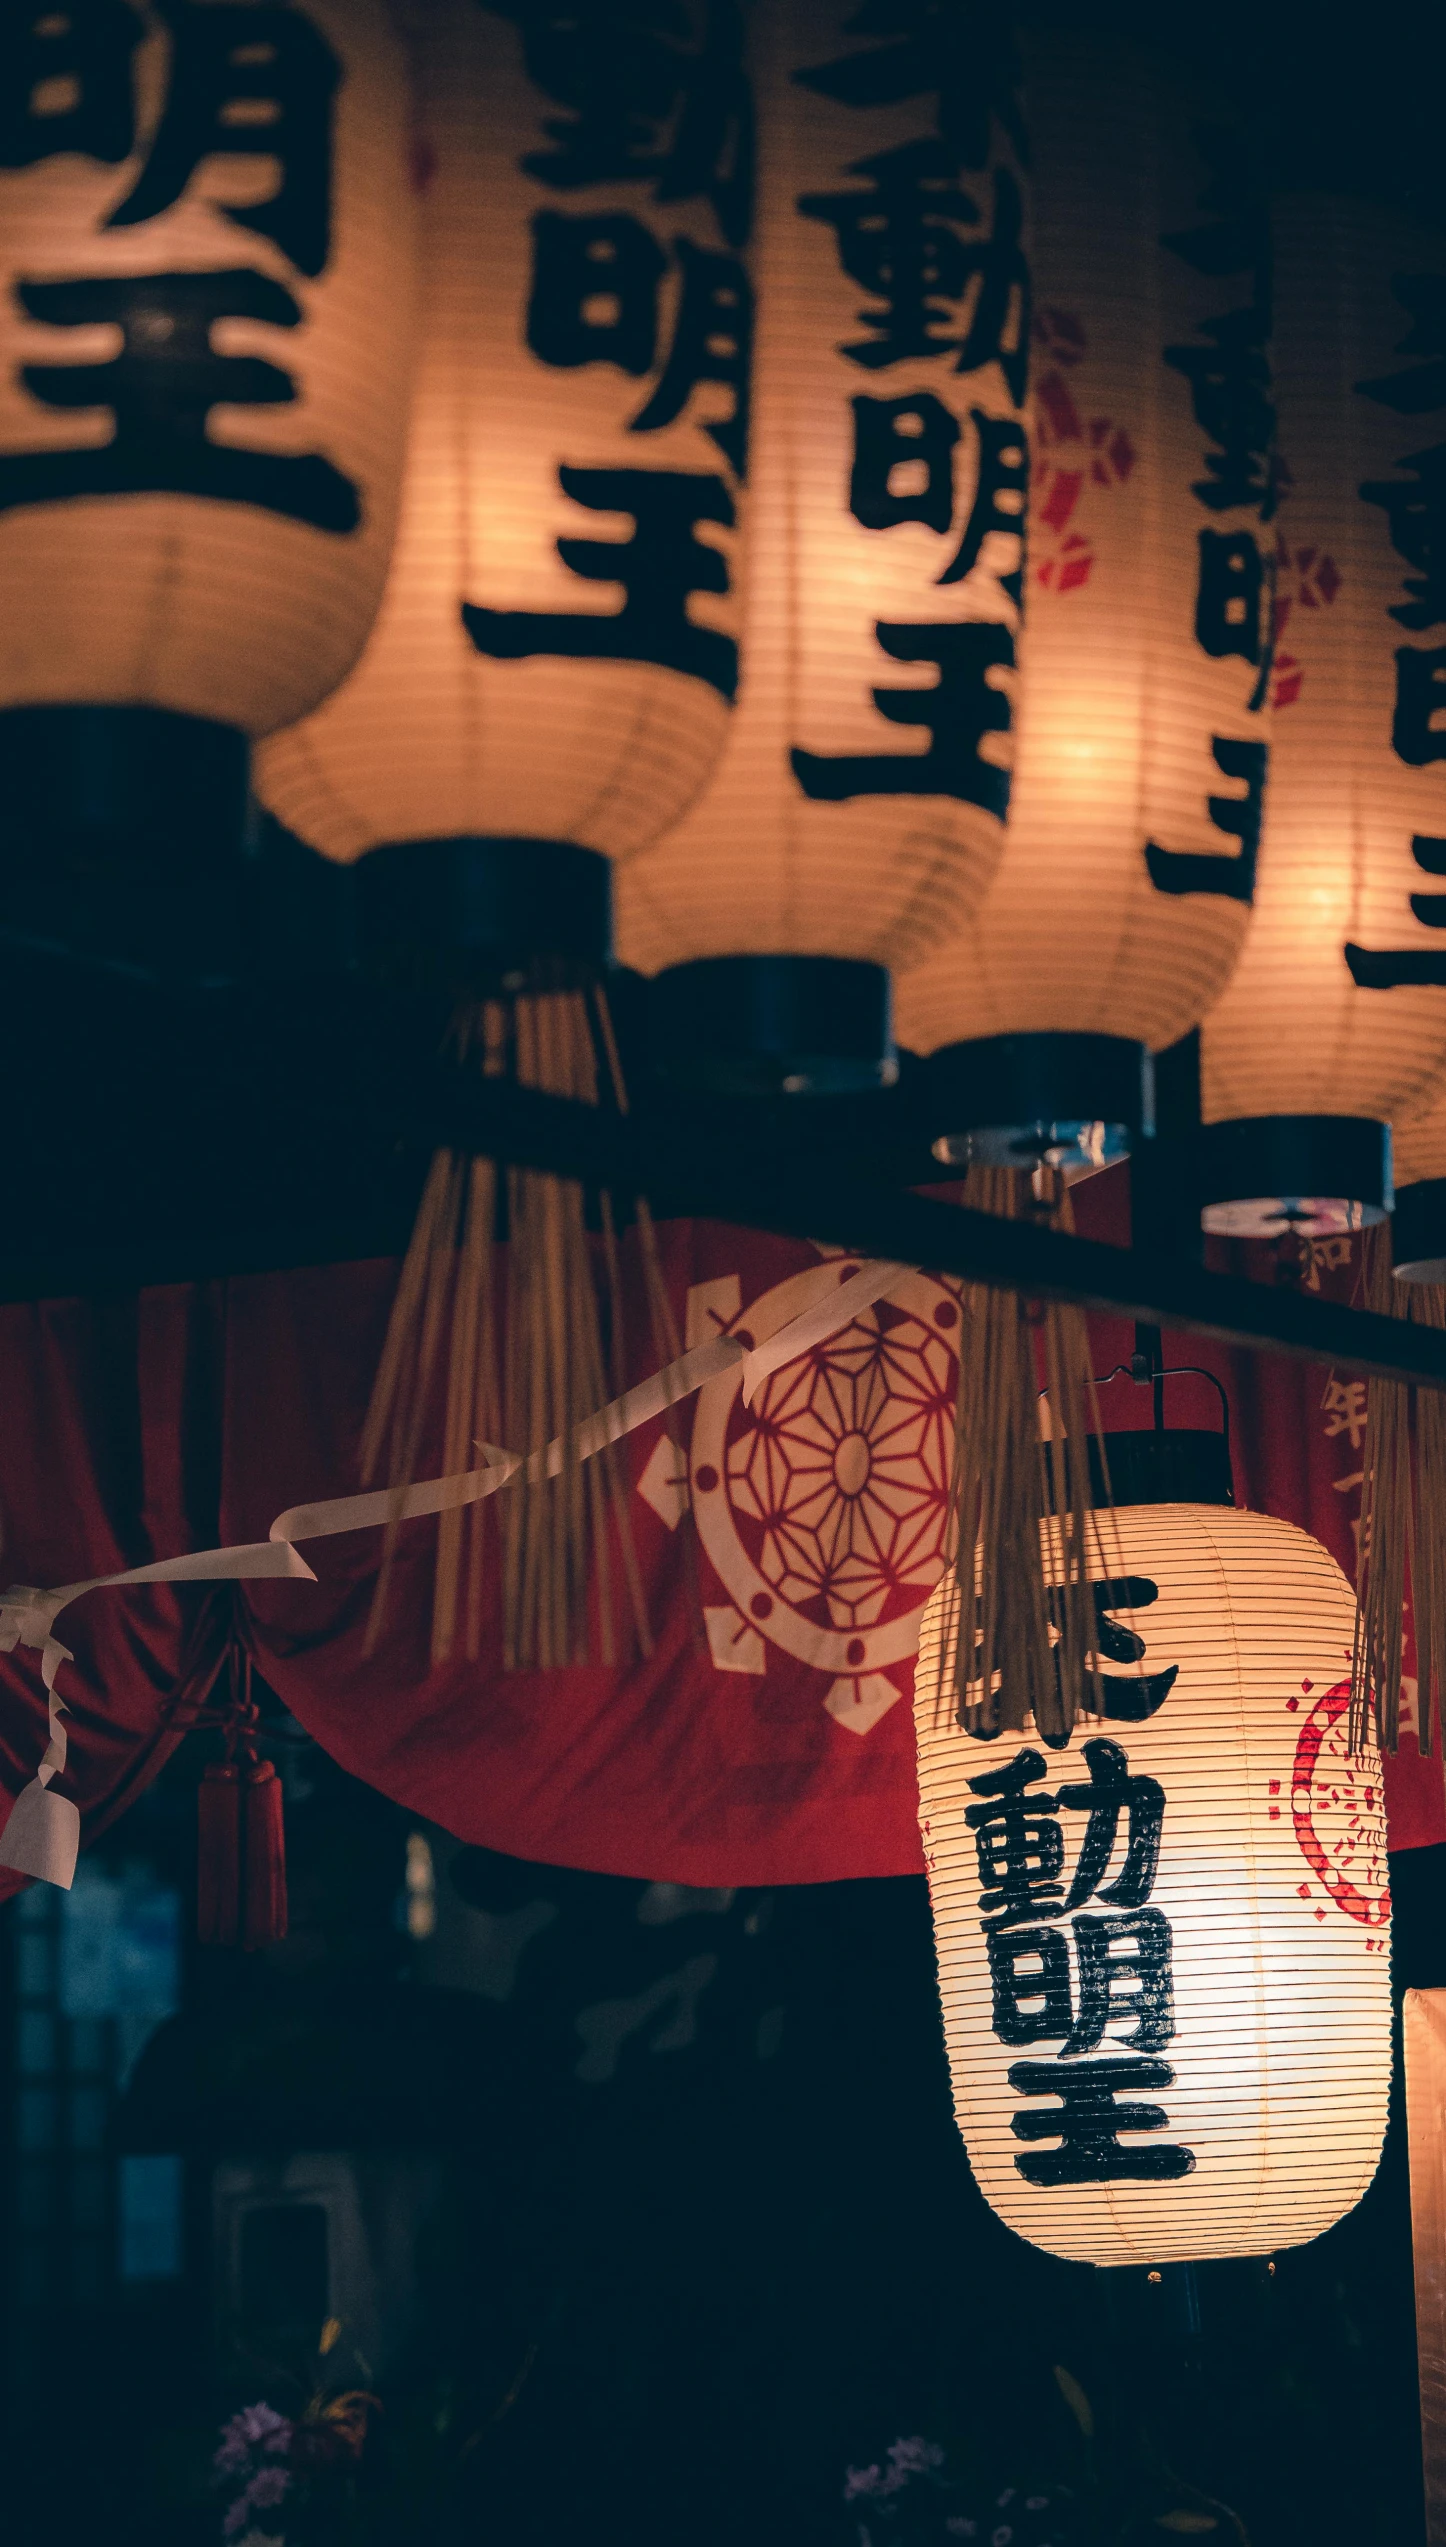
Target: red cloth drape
pixel 765 1739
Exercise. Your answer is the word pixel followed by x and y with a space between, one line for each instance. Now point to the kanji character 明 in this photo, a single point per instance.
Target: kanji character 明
pixel 659 567
pixel 1124 1971
pixel 968 60
pixel 161 388
pixel 66 80
pixel 230 54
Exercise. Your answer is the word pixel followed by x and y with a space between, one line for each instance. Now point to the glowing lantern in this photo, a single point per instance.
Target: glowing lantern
pixel 1334 1022
pixel 1140 717
pixel 206 284
pixel 552 672
pixel 555 662
pixel 860 802
pixel 1163 1948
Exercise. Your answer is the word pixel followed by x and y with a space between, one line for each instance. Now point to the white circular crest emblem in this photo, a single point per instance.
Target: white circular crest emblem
pixel 823 1506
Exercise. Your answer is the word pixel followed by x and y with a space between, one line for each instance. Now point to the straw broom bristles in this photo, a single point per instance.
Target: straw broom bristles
pixel 1027 1549
pixel 1401 1530
pixel 520 1361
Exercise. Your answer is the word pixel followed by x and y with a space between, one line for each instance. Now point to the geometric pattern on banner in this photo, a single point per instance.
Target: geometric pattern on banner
pixel 823 1507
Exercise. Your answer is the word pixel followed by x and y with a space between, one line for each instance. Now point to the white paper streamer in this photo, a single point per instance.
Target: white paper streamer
pixel 42 1835
pixel 837 1309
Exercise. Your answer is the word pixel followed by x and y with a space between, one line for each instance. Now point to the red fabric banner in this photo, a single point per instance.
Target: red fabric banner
pixel 765 1739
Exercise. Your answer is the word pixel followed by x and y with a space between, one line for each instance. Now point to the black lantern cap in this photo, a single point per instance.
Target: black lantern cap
pixel 1418 1231
pixel 1014 1100
pixel 765 1025
pixel 124 835
pixel 1318 1174
pixel 1157 1465
pixel 477 915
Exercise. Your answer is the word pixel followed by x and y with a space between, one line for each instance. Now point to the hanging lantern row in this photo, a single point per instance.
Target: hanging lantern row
pixel 884 500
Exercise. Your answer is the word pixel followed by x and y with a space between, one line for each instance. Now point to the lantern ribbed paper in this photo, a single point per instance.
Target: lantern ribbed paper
pixel 1338 1004
pixel 556 653
pixel 1140 739
pixel 859 805
pixel 206 285
pixel 1163 1950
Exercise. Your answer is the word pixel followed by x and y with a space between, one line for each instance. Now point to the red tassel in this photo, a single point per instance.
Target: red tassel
pixel 218 1855
pixel 264 1922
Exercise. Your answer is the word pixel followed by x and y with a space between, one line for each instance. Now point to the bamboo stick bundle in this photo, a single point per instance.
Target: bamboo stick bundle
pixel 1027 1548
pixel 498 1311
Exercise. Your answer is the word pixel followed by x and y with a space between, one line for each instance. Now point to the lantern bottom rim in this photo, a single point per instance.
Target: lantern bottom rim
pixel 773 1025
pixel 1313 1175
pixel 1072 1101
pixel 485 916
pixel 1419 1231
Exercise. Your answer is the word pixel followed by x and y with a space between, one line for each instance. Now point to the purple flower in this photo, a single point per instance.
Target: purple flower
pixel 865 2480
pixel 256 2428
pixel 914 2457
pixel 269 2486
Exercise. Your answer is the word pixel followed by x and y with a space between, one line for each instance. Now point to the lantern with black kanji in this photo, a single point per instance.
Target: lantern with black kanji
pixel 555 663
pixel 206 292
pixel 859 807
pixel 1335 1022
pixel 552 672
pixel 1140 711
pixel 1164 1943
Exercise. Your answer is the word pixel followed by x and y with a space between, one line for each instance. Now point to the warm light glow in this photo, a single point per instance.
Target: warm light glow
pixel 1119 706
pixel 1350 787
pixel 1219 1929
pixel 864 860
pixel 435 736
pixel 154 574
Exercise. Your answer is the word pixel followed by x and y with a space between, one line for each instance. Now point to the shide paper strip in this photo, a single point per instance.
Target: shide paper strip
pixel 42 1836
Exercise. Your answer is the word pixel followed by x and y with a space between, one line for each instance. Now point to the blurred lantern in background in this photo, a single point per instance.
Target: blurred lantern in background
pixel 1164 1945
pixel 553 670
pixel 206 290
pixel 1141 714
pixel 859 807
pixel 1335 1019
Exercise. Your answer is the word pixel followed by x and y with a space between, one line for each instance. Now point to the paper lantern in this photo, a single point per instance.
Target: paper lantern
pixel 1140 717
pixel 553 670
pixel 206 287
pixel 1163 1949
pixel 1334 1022
pixel 860 802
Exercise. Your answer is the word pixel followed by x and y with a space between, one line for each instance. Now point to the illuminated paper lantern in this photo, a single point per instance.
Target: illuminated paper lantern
pixel 1140 738
pixel 553 670
pixel 860 803
pixel 1334 1022
pixel 1163 1949
pixel 206 287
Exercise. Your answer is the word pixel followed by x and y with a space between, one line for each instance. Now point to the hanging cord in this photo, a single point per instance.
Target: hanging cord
pixel 241 1837
pixel 1385 1534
